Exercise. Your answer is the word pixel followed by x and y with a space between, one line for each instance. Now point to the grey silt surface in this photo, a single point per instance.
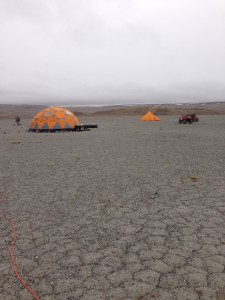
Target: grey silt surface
pixel 130 210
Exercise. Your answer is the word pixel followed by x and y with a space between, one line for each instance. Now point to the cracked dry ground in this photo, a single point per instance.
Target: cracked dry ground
pixel 128 211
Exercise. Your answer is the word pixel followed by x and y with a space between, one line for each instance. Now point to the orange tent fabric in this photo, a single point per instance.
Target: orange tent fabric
pixel 54 118
pixel 150 117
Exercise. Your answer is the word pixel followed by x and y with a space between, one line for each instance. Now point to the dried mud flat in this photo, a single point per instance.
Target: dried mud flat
pixel 130 210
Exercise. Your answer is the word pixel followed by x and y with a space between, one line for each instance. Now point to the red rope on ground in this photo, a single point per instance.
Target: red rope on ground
pixel 13 259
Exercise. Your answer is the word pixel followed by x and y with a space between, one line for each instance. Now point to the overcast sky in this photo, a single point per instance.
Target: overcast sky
pixel 112 51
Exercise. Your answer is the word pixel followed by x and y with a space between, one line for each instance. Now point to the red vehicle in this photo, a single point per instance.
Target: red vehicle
pixel 184 119
pixel 194 117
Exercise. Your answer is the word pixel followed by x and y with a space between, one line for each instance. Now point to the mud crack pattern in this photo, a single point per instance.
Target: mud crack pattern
pixel 127 211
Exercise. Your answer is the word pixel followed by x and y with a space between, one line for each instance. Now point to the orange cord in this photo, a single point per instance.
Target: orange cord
pixel 13 259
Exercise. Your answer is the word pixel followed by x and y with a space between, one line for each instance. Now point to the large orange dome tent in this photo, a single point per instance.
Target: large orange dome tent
pixel 54 119
pixel 150 117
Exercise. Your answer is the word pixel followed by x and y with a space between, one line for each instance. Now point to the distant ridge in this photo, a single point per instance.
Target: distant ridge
pixel 168 109
pixel 28 111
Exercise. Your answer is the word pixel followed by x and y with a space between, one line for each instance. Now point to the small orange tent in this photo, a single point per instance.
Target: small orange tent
pixel 53 119
pixel 150 117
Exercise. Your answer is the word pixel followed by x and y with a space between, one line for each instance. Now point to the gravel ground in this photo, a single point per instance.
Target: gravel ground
pixel 130 210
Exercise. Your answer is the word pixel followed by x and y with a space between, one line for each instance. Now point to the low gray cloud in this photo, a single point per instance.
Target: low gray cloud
pixel 108 51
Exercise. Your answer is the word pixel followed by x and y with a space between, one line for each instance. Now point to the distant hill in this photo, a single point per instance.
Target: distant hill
pixel 168 110
pixel 28 111
pixel 24 110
